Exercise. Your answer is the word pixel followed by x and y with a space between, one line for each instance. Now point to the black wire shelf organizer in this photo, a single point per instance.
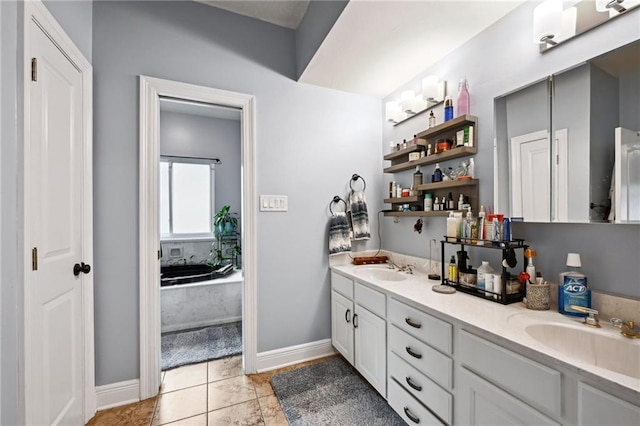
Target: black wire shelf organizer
pixel 511 290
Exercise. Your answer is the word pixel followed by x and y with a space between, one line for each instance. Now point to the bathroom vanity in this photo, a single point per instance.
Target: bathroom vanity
pixel 457 359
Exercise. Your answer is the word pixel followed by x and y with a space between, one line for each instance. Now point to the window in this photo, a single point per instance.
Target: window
pixel 186 197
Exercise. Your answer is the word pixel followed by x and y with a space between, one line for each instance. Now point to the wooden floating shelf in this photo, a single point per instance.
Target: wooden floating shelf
pixel 462 151
pixel 447 184
pixel 457 122
pixel 419 213
pixel 403 200
pixel 406 151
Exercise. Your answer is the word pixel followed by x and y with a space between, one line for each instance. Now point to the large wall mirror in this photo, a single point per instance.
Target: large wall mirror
pixel 568 146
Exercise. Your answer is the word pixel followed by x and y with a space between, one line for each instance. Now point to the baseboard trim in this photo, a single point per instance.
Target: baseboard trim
pixel 116 394
pixel 278 358
pixel 198 324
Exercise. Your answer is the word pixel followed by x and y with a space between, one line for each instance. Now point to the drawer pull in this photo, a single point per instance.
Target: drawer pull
pixel 347 316
pixel 355 322
pixel 412 384
pixel 411 416
pixel 412 324
pixel 412 353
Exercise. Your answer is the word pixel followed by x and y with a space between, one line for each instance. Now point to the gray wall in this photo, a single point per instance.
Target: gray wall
pixel 495 64
pixel 309 142
pixel 76 17
pixel 187 135
pixel 316 24
pixel 11 297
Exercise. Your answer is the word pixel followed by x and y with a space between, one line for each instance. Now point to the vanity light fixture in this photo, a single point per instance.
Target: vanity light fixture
pixel 547 22
pixel 432 89
pixel 609 5
pixel 410 104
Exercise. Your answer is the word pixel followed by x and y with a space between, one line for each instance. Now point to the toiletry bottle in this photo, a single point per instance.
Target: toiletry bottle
pixel 448 108
pixel 450 202
pixel 481 221
pixel 453 227
pixel 469 226
pixel 531 269
pixel 404 143
pixel 428 202
pixel 429 152
pixel 453 270
pixel 432 119
pixel 392 147
pixel 436 204
pixel 483 270
pixel 572 288
pixel 463 97
pixel 471 170
pixel 415 139
pixel 460 202
pixel 417 178
pixel 437 174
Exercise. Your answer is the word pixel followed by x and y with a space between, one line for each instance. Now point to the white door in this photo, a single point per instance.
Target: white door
pixel 627 176
pixel 531 177
pixel 341 326
pixel 371 348
pixel 54 343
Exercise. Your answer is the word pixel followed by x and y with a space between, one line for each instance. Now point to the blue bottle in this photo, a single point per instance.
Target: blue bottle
pixel 573 289
pixel 448 108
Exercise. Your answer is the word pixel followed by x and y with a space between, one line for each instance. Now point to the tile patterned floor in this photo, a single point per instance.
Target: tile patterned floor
pixel 207 394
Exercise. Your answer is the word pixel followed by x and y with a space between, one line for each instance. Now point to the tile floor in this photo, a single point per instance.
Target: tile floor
pixel 207 394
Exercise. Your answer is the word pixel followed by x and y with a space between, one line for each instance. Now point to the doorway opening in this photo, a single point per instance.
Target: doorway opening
pixel 184 187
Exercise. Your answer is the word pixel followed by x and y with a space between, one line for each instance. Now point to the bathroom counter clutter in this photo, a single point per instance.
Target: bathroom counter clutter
pixel 601 356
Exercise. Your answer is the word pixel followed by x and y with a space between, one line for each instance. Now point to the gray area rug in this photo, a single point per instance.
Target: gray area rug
pixel 204 344
pixel 331 393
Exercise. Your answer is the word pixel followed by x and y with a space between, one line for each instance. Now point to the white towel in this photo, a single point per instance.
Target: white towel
pixel 339 241
pixel 359 215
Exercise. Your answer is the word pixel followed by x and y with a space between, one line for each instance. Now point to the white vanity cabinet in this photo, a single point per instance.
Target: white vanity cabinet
pixel 420 365
pixel 596 407
pixel 358 328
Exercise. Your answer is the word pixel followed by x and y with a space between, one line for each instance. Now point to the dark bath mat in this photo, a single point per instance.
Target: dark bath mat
pixel 204 344
pixel 331 393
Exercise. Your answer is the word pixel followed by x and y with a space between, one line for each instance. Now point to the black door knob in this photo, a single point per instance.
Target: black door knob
pixel 81 267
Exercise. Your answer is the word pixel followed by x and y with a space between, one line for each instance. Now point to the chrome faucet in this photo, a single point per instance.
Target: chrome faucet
pixel 628 329
pixel 591 320
pixel 409 268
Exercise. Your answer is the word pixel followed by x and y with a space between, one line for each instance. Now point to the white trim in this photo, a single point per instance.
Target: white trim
pixel 198 324
pixel 36 11
pixel 283 357
pixel 560 176
pixel 150 91
pixel 117 394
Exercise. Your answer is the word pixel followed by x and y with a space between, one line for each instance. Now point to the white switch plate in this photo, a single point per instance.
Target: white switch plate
pixel 274 203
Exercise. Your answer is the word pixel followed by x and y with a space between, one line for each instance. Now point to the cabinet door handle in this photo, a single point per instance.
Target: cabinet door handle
pixel 411 416
pixel 355 322
pixel 412 384
pixel 347 316
pixel 412 324
pixel 412 353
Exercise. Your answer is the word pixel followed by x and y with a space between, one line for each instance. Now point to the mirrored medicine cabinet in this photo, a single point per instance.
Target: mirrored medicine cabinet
pixel 568 146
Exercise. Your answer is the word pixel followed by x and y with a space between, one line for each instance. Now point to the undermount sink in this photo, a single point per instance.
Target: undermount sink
pixel 601 348
pixel 381 274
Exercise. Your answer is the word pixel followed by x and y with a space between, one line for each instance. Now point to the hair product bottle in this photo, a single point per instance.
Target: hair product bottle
pixel 463 97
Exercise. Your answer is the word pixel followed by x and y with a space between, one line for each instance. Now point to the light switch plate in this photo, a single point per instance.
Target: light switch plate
pixel 274 203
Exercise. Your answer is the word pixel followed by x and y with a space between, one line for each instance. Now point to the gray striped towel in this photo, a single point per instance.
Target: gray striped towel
pixel 339 240
pixel 359 216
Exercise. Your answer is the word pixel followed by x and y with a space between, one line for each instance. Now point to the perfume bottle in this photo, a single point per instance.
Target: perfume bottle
pixel 432 119
pixel 463 97
pixel 448 108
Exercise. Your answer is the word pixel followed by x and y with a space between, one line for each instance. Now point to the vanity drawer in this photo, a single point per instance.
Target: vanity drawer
pixel 427 328
pixel 530 381
pixel 342 285
pixel 433 364
pixel 407 407
pixel 371 299
pixel 426 391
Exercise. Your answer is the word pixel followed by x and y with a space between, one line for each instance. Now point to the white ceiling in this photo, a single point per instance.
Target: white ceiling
pixel 376 46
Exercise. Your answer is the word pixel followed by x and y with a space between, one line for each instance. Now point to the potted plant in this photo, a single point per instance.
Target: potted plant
pixel 224 221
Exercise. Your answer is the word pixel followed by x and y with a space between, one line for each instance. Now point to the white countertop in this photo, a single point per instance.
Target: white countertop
pixel 505 322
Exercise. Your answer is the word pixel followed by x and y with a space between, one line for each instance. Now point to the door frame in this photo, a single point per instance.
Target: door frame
pixel 151 89
pixel 35 11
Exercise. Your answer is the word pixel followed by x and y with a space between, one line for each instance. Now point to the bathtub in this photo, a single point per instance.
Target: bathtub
pixel 200 304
